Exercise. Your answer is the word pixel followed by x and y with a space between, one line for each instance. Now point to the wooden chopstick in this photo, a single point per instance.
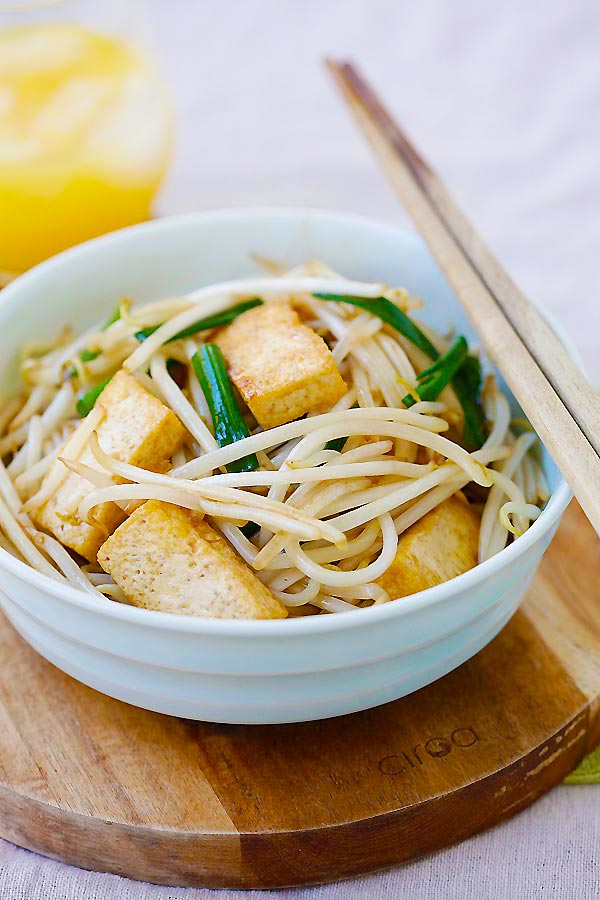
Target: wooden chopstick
pixel 559 402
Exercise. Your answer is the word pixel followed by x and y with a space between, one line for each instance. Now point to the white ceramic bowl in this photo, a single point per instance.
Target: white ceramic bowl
pixel 240 671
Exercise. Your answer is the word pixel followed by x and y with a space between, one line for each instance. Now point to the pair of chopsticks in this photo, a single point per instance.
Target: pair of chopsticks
pixel 557 399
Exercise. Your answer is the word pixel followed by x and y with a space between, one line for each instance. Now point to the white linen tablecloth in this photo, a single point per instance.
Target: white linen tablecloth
pixel 504 98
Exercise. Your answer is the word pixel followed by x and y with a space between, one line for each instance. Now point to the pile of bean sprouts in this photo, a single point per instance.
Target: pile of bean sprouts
pixel 329 520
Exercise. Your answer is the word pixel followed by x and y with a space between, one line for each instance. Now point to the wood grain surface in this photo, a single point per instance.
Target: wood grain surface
pixel 105 786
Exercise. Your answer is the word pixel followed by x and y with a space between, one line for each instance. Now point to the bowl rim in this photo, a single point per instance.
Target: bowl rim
pixel 237 628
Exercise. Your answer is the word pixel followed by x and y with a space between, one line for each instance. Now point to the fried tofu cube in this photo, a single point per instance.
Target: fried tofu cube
pixel 138 429
pixel 282 368
pixel 438 547
pixel 169 559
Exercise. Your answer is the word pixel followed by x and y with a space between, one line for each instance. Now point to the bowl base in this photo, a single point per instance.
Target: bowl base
pixel 106 786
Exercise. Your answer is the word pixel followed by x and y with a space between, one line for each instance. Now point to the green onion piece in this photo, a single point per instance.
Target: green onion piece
pixel 87 401
pixel 88 355
pixel 250 529
pixel 221 318
pixel 467 387
pixel 457 352
pixel 228 421
pixel 112 319
pixel 434 379
pixel 466 381
pixel 391 314
pixel 470 374
pixel 338 444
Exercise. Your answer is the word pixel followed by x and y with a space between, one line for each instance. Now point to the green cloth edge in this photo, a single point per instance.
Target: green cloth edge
pixel 588 770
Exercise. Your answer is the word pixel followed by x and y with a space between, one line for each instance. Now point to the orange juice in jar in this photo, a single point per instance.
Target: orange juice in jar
pixel 85 137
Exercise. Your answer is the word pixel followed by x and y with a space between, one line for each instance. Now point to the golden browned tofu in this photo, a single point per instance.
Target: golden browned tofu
pixel 168 559
pixel 282 369
pixel 137 429
pixel 438 547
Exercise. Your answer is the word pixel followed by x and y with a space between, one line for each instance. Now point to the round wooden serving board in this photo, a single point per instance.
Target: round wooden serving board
pixel 100 784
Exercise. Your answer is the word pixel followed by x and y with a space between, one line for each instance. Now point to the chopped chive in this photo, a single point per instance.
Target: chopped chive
pixel 433 380
pixel 466 380
pixel 88 355
pixel 87 401
pixel 250 529
pixel 221 318
pixel 114 318
pixel 391 314
pixel 338 444
pixel 454 357
pixel 228 421
pixel 474 419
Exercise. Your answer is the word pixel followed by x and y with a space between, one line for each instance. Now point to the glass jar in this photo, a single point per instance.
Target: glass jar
pixel 85 125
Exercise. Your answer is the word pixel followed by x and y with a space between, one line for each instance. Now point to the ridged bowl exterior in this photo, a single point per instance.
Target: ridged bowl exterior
pixel 251 672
